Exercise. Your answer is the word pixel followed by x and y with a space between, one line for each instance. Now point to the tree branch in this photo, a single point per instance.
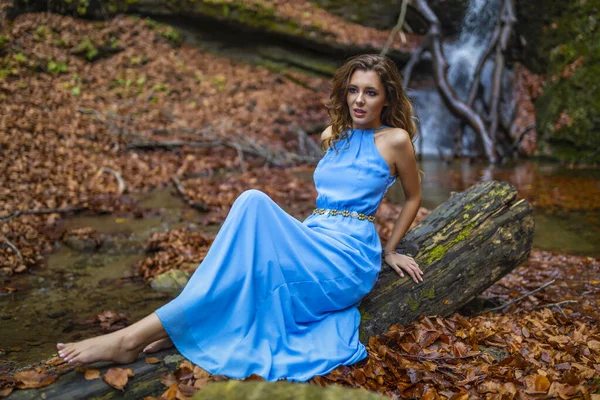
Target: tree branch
pixel 520 298
pixel 180 189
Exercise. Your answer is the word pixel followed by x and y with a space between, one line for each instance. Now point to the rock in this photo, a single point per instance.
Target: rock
pixel 170 281
pixel 561 41
pixel 281 390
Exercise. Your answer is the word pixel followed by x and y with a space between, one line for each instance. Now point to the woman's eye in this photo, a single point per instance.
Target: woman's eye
pixel 352 90
pixel 371 93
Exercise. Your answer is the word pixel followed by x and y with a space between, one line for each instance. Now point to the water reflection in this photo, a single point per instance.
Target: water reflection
pixel 566 200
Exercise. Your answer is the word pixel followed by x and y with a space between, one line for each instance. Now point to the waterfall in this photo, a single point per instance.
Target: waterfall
pixel 437 125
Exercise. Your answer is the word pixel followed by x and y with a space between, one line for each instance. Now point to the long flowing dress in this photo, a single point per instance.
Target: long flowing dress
pixel 278 297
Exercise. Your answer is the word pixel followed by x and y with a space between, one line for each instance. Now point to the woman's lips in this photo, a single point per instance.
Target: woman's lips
pixel 359 113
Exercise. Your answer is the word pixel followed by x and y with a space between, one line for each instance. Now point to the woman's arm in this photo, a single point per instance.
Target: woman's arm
pixel 406 167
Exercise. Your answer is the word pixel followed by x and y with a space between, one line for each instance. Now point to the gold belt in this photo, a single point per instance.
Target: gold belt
pixel 344 213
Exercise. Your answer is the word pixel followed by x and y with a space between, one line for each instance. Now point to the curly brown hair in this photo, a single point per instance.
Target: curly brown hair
pixel 398 113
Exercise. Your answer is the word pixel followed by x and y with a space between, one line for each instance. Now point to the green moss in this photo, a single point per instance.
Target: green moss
pixel 428 293
pixel 412 304
pixel 468 207
pixel 438 252
pixel 365 316
pixel 562 34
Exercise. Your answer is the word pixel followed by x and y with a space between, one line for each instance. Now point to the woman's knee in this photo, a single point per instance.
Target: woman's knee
pixel 252 195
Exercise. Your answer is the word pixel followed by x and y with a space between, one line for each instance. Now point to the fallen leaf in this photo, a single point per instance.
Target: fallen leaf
pixel 90 374
pixel 116 377
pixel 152 360
pixel 33 379
pixel 170 393
pixel 594 345
pixel 536 384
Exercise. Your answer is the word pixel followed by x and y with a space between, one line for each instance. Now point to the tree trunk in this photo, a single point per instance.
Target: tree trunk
pixel 463 247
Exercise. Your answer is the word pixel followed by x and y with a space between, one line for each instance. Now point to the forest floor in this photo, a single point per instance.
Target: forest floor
pixel 94 111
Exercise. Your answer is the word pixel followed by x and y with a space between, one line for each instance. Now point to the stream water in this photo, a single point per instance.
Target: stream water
pixel 58 302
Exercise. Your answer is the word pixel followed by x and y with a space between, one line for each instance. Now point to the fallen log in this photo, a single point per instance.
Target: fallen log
pixel 463 247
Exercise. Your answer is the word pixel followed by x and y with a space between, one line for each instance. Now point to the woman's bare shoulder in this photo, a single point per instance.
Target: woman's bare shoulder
pixel 397 137
pixel 326 134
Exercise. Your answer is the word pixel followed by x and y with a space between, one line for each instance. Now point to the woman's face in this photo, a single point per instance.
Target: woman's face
pixel 366 99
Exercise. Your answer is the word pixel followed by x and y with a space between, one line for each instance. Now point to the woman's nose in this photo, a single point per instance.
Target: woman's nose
pixel 360 99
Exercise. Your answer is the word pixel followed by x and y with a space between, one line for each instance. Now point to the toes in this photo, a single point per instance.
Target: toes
pixel 148 349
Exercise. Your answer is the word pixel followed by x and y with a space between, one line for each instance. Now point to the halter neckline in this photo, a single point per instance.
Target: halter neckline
pixel 371 129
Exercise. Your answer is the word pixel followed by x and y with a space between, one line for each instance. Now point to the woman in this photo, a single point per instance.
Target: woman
pixel 278 297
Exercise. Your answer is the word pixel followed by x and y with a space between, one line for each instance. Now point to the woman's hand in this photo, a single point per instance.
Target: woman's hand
pixel 401 262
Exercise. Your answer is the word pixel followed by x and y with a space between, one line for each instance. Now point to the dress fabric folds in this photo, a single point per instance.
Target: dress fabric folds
pixel 278 297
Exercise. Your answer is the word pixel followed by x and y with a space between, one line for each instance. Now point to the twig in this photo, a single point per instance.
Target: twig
pixel 12 246
pixel 555 304
pixel 241 158
pixel 180 189
pixel 396 29
pixel 520 298
pixel 121 182
pixel 240 142
pixel 439 358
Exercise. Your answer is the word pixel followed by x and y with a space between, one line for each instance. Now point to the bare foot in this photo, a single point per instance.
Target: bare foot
pixel 158 345
pixel 115 347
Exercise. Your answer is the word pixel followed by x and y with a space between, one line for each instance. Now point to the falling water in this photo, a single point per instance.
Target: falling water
pixel 437 125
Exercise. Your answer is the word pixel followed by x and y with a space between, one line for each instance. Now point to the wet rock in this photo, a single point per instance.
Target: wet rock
pixel 82 239
pixel 56 314
pixel 170 281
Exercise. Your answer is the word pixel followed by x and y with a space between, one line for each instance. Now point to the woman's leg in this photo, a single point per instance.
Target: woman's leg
pixel 122 346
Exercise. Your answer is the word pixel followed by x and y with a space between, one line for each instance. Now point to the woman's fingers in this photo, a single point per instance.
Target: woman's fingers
pixel 414 273
pixel 397 269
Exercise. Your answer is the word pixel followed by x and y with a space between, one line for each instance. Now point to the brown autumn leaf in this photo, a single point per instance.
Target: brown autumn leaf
pixel 32 379
pixel 5 392
pixel 536 384
pixel 200 373
pixel 184 392
pixel 116 377
pixel 359 376
pixel 90 374
pixel 168 379
pixel 594 345
pixel 561 390
pixel 54 361
pixel 170 393
pixel 459 349
pixel 152 360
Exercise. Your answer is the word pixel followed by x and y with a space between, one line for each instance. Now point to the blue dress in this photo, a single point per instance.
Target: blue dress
pixel 278 297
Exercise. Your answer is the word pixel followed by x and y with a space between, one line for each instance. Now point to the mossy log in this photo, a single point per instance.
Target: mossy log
pixel 463 247
pixel 239 15
pixel 145 381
